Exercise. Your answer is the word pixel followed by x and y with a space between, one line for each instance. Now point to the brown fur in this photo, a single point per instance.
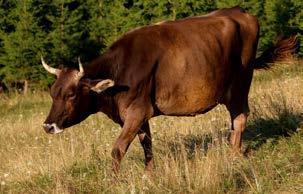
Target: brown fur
pixel 182 68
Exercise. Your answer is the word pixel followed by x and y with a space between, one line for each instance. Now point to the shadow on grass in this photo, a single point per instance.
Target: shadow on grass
pixel 258 132
pixel 191 144
pixel 195 144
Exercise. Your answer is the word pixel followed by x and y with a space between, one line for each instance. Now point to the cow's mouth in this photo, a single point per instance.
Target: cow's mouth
pixel 52 128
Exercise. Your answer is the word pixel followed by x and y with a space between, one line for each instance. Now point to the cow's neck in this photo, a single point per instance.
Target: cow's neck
pixel 104 67
pixel 105 103
pixel 100 68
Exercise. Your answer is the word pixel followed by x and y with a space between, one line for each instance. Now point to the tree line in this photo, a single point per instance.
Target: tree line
pixel 63 30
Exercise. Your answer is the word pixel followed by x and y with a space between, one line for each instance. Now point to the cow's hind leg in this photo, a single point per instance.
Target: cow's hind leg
pixel 238 114
pixel 236 102
pixel 238 127
pixel 146 142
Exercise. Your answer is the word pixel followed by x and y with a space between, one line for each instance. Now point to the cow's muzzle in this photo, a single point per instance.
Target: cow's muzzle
pixel 51 128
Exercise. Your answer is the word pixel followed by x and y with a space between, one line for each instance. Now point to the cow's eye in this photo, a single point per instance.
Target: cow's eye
pixel 70 95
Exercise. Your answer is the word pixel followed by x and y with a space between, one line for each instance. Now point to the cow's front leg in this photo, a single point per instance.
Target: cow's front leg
pixel 134 119
pixel 146 142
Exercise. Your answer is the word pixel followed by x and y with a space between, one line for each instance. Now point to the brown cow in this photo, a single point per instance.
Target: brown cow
pixel 179 68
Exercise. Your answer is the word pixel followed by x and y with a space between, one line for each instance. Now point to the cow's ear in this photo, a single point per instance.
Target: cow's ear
pixel 97 85
pixel 103 85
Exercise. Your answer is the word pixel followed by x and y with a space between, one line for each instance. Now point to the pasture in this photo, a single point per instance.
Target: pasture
pixel 191 154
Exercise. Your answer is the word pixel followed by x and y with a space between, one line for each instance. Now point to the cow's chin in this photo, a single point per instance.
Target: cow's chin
pixel 56 131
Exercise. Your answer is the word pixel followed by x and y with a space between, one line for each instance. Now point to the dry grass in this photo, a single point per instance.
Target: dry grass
pixel 187 161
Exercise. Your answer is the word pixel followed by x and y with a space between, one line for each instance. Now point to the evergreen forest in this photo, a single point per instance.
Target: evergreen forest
pixel 63 30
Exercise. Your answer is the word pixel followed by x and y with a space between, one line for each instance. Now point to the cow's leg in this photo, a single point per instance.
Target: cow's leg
pixel 236 102
pixel 134 119
pixel 146 142
pixel 238 114
pixel 238 127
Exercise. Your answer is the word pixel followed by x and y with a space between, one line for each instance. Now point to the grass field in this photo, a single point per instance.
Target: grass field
pixel 187 156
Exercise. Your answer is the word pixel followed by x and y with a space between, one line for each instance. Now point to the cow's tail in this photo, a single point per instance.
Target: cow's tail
pixel 281 51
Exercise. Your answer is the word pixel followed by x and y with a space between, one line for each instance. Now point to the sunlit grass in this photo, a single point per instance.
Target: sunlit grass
pixel 188 157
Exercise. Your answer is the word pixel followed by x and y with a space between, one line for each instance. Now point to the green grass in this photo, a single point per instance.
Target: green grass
pixel 189 157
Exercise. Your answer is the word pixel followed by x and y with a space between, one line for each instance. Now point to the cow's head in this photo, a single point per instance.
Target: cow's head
pixel 72 97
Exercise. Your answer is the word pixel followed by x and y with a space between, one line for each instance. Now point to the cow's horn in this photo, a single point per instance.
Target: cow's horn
pixel 50 69
pixel 81 71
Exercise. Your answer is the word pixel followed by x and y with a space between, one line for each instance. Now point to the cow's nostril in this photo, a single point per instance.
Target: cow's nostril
pixel 47 127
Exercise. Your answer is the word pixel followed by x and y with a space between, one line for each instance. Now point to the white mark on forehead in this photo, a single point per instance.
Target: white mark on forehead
pixel 75 75
pixel 71 76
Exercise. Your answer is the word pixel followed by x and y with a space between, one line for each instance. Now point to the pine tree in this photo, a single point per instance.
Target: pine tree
pixel 63 30
pixel 282 18
pixel 296 22
pixel 20 47
pixel 70 36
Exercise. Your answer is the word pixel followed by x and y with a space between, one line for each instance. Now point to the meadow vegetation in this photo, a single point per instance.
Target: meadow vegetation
pixel 62 31
pixel 191 154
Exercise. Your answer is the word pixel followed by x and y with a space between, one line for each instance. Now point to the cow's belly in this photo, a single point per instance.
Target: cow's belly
pixel 185 100
pixel 188 82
